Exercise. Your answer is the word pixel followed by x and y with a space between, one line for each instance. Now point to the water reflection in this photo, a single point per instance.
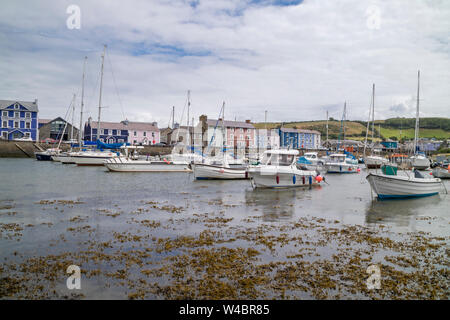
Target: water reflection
pixel 400 212
pixel 278 204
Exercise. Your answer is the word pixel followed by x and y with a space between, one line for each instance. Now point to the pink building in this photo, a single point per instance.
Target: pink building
pixel 144 133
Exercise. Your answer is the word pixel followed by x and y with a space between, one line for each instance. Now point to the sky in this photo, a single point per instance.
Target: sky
pixel 296 59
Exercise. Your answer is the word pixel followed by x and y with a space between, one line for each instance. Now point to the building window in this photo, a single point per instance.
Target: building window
pixel 16 106
pixel 4 113
pixel 119 133
pixel 241 137
pixel 27 114
pixel 16 114
pixel 242 130
pixel 135 133
pixel 27 125
pixel 5 135
pixel 145 133
pixel 16 124
pixel 134 141
pixel 5 124
pixel 27 134
pixel 231 136
pixel 120 140
pixel 105 131
pixel 153 134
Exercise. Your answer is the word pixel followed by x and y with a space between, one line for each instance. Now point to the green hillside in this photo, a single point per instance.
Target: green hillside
pixel 395 128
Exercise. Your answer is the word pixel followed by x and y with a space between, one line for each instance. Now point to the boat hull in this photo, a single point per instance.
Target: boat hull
pixel 121 165
pixel 341 168
pixel 206 172
pixel 89 161
pixel 270 179
pixel 393 187
pixel 374 162
pixel 43 156
pixel 442 173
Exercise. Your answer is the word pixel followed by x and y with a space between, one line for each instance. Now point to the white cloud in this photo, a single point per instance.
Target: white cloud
pixel 294 61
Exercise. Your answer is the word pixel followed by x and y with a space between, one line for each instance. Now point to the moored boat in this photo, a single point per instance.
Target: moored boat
pixel 374 162
pixel 337 163
pixel 204 171
pixel 278 169
pixel 441 172
pixel 46 155
pixel 389 185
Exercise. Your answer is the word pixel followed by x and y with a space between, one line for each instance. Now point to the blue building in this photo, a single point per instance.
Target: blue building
pixel 19 120
pixel 110 132
pixel 299 138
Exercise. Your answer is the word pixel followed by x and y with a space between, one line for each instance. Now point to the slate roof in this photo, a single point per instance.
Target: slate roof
pixel 30 105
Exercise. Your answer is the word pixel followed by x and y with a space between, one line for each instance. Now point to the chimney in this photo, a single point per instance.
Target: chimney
pixel 35 101
pixel 247 121
pixel 203 118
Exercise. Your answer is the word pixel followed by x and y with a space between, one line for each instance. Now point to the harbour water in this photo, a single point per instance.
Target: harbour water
pixel 166 236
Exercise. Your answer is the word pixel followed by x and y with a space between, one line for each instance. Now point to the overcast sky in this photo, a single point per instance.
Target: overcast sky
pixel 295 59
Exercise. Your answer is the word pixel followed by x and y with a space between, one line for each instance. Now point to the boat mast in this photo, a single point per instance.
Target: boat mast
pixel 100 96
pixel 188 136
pixel 82 104
pixel 65 125
pixel 223 131
pixel 327 125
pixel 368 122
pixel 416 131
pixel 373 113
pixel 73 119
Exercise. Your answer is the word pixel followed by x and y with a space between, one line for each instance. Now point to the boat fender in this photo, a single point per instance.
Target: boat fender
pixel 246 174
pixel 358 170
pixel 303 179
pixel 448 168
pixel 166 161
pixel 310 180
pixel 318 178
pixel 278 179
pixel 349 168
pixel 340 168
pixel 431 173
pixel 294 179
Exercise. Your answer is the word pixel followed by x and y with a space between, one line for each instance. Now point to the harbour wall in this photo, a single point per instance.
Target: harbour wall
pixel 26 149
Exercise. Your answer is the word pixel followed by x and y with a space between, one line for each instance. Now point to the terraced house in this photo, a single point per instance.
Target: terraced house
pixel 145 133
pixel 19 120
pixel 299 138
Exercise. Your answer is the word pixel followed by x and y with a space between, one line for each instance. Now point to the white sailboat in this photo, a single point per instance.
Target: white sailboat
pixel 95 158
pixel 127 163
pixel 372 161
pixel 342 162
pixel 278 169
pixel 219 168
pixel 418 161
pixel 388 184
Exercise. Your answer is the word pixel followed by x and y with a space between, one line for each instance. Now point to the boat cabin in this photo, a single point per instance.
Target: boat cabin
pixel 311 156
pixel 279 157
pixel 337 157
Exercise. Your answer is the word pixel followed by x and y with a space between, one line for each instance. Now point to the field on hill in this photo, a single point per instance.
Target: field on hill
pixel 357 129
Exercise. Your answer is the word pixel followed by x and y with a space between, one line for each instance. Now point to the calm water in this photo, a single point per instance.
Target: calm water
pixel 111 202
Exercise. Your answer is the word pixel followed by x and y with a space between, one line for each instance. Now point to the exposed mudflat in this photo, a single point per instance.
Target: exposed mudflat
pixel 165 236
